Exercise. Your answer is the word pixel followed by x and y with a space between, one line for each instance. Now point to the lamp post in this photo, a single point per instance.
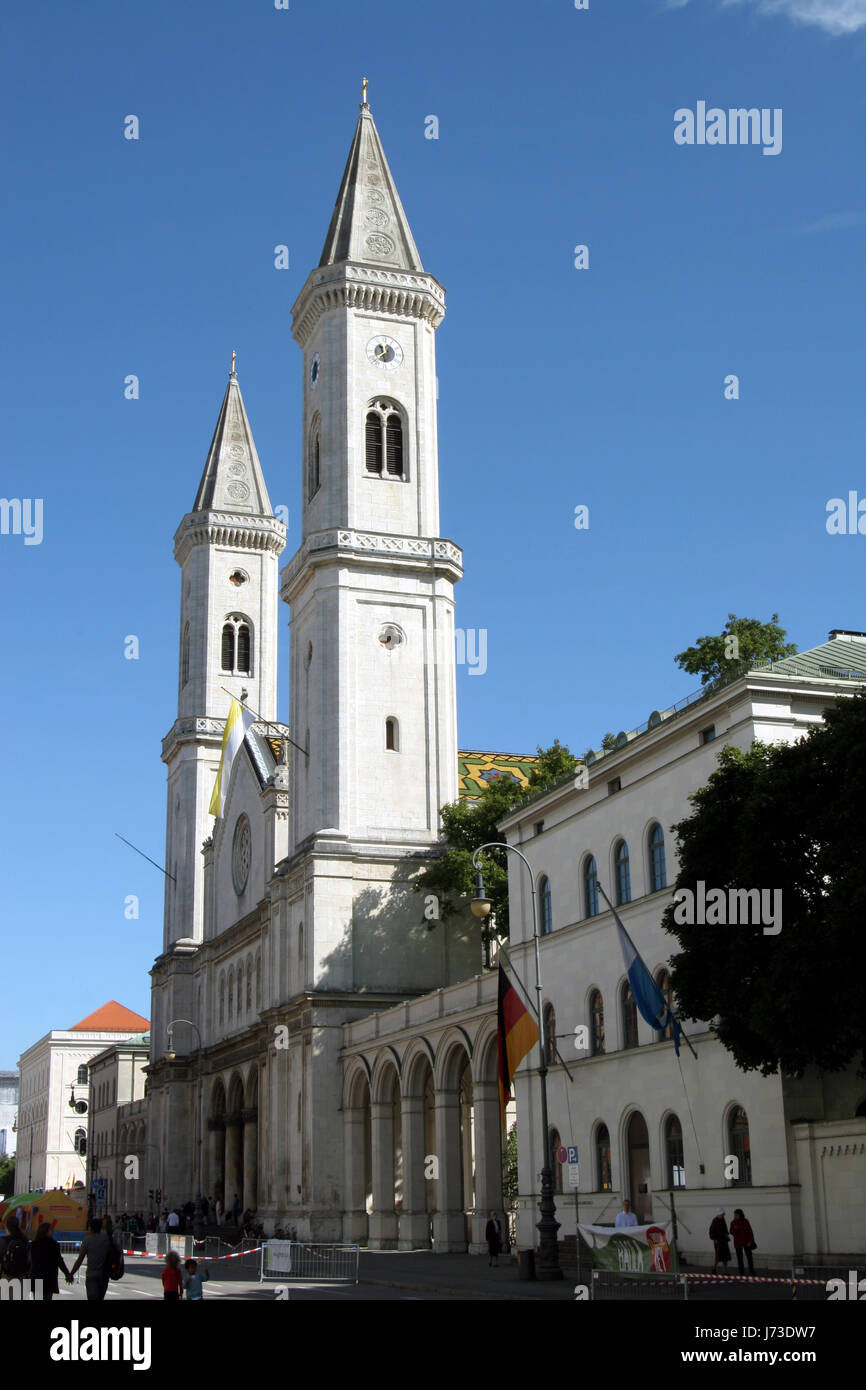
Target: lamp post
pixel 170 1055
pixel 547 1265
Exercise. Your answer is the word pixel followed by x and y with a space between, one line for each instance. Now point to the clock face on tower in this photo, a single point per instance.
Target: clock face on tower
pixel 385 353
pixel 315 368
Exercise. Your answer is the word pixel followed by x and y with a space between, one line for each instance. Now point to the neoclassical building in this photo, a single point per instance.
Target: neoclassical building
pixel 293 914
pixel 422 1076
pixel 645 1127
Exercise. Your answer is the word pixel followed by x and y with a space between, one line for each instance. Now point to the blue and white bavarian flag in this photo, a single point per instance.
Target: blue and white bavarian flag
pixel 650 1001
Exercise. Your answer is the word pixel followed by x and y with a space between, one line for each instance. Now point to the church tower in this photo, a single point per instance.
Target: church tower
pixel 373 697
pixel 228 548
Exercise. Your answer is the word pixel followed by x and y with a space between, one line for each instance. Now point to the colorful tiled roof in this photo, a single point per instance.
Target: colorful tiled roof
pixel 112 1018
pixel 475 771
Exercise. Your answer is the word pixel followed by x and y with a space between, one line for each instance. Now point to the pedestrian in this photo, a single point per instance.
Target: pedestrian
pixel 14 1251
pixel 45 1260
pixel 220 1210
pixel 172 1279
pixel 626 1217
pixel 493 1236
pixel 211 1211
pixel 96 1249
pixel 236 1209
pixel 719 1237
pixel 192 1282
pixel 744 1239
pixel 173 1220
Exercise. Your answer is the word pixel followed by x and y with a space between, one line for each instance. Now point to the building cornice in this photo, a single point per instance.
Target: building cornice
pixel 230 529
pixel 397 293
pixel 371 548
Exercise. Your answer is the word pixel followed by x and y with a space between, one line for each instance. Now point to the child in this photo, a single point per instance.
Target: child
pixel 192 1282
pixel 172 1279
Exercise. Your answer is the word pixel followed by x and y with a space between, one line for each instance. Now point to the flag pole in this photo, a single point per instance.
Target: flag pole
pixel 622 928
pixel 511 966
pixel 260 719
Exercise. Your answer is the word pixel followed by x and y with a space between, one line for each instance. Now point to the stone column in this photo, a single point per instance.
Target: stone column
pixel 488 1162
pixel 216 1174
pixel 383 1222
pixel 414 1229
pixel 249 1196
pixel 355 1223
pixel 234 1168
pixel 449 1222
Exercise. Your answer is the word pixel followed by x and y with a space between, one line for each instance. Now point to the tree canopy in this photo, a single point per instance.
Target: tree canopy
pixel 786 817
pixel 741 641
pixel 449 877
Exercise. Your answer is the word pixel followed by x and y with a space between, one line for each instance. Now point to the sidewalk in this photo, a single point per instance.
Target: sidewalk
pixel 464 1276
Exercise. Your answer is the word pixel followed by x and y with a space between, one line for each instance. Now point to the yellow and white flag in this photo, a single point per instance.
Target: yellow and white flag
pixel 238 722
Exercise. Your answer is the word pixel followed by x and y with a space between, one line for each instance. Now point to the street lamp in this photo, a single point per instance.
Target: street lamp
pixel 170 1055
pixel 547 1265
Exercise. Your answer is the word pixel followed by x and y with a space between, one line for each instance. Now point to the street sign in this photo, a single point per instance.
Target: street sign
pixel 572 1153
pixel 99 1185
pixel 572 1176
pixel 562 1154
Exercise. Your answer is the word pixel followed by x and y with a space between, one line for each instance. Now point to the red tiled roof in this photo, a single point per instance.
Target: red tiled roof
pixel 112 1018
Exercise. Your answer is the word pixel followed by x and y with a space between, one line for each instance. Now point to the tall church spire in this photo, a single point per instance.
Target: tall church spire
pixel 369 225
pixel 232 480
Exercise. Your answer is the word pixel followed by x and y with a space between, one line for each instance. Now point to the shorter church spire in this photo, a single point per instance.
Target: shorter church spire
pixel 232 480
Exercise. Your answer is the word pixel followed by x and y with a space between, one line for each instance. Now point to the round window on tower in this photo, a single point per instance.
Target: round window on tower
pixel 241 851
pixel 391 636
pixel 238 577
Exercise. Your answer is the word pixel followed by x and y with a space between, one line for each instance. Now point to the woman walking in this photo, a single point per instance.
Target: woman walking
pixel 45 1260
pixel 172 1279
pixel 719 1237
pixel 744 1239
pixel 493 1236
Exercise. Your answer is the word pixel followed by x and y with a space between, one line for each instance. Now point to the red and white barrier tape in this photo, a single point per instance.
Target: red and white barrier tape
pixel 200 1259
pixel 749 1279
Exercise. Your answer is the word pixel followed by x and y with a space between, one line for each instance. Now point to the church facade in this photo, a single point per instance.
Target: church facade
pixel 293 913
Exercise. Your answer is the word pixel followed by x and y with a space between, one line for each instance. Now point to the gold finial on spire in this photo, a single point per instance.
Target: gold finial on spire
pixel 363 91
pixel 234 360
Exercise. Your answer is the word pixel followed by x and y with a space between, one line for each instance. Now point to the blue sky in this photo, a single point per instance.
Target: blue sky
pixel 558 387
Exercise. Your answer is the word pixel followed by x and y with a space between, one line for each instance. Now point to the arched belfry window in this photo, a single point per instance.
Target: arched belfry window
pixel 237 645
pixel 392 734
pixel 383 440
pixel 315 457
pixel 184 656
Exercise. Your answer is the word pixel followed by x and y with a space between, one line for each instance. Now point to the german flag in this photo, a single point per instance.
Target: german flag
pixel 517 1034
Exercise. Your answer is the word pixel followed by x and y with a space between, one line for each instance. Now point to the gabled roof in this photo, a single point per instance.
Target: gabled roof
pixel 112 1018
pixel 369 225
pixel 232 480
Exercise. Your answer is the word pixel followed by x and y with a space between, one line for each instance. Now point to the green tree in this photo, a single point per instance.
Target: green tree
pixel 741 641
pixel 510 1187
pixel 784 817
pixel 449 878
pixel 7 1175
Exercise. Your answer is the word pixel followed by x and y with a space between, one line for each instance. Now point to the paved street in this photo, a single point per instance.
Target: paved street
pixel 420 1275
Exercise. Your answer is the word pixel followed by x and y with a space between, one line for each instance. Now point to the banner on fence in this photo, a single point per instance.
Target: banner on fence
pixel 630 1248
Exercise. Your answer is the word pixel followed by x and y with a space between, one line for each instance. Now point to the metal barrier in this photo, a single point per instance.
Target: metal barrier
pixel 289 1260
pixel 612 1284
pixel 160 1242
